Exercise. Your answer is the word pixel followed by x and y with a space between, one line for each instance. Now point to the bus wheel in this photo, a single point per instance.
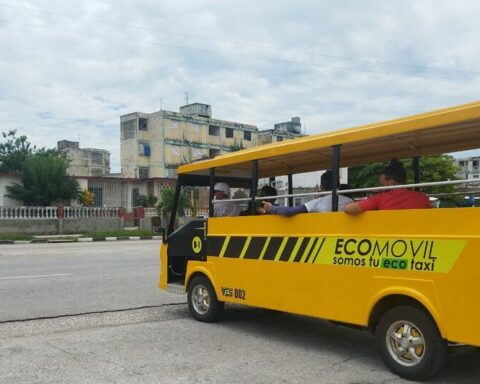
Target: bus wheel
pixel 202 300
pixel 410 343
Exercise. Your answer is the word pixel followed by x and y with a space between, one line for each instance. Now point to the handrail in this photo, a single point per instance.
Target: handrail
pixel 356 190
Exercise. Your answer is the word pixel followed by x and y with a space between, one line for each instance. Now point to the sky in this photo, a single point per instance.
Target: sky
pixel 70 69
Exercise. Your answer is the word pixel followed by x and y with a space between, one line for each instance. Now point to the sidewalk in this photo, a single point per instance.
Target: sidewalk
pixel 75 239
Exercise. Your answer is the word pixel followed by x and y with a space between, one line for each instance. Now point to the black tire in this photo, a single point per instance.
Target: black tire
pixel 412 331
pixel 202 300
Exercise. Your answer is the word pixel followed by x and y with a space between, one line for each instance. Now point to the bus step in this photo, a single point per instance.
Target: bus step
pixel 177 288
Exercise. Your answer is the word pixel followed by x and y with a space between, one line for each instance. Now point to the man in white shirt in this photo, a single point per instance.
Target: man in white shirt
pixel 224 208
pixel 322 204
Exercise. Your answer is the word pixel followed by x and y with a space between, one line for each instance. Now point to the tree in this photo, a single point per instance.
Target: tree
pixel 146 200
pixel 432 168
pixel 43 181
pixel 15 150
pixel 165 206
pixel 86 198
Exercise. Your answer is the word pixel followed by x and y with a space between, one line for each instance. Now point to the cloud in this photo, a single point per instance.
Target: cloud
pixel 70 69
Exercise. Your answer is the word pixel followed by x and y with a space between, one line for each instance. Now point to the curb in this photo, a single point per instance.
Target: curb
pixel 80 240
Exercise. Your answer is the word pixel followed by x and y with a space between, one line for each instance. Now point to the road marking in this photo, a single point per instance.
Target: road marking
pixel 35 276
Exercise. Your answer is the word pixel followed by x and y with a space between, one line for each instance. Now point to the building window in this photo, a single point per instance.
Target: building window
pixel 475 163
pixel 197 153
pixel 279 138
pixel 135 194
pixel 128 129
pixel 247 135
pixel 229 132
pixel 144 149
pixel 142 124
pixel 214 130
pixel 212 152
pixel 143 172
pixel 97 196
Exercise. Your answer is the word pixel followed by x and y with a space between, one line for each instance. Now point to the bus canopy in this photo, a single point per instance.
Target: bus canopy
pixel 433 133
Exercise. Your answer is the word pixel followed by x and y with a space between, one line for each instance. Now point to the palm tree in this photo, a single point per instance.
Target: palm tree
pixel 44 180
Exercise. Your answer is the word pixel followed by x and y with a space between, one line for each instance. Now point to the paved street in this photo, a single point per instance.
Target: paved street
pixel 43 280
pixel 124 330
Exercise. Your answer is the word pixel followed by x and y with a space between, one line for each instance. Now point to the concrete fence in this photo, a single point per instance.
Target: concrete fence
pixel 59 220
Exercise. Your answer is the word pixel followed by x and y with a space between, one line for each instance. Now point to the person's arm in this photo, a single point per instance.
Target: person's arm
pixel 371 203
pixel 352 208
pixel 283 211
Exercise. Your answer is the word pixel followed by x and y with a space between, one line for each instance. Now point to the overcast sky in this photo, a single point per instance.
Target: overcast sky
pixel 69 69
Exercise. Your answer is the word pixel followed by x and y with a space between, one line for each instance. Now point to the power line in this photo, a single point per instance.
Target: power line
pixel 367 61
pixel 229 54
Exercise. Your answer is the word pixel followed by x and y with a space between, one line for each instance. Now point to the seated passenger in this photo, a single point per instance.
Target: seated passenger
pixel 225 208
pixel 393 174
pixel 322 204
pixel 267 191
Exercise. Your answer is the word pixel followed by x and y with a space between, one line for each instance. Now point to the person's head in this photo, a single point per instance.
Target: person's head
pixel 268 190
pixel 393 174
pixel 326 180
pixel 221 191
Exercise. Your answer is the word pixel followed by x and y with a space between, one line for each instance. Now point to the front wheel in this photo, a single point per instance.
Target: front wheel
pixel 202 300
pixel 410 343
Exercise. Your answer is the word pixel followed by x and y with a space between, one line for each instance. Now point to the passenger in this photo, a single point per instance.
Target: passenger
pixel 393 174
pixel 225 208
pixel 322 204
pixel 267 191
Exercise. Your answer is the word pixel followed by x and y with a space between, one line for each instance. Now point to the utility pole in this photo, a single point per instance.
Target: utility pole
pixel 186 97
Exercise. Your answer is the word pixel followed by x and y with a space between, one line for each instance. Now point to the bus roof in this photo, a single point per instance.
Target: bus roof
pixel 442 131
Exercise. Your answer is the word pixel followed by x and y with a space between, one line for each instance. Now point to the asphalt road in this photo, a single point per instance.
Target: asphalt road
pixel 104 321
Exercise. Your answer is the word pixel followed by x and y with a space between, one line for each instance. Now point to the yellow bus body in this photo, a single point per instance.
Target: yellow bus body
pixel 346 293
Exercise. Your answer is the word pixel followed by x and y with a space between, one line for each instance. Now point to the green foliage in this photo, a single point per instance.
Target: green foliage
pixel 432 168
pixel 15 236
pixel 146 201
pixel 15 150
pixel 99 234
pixel 86 198
pixel 165 206
pixel 43 180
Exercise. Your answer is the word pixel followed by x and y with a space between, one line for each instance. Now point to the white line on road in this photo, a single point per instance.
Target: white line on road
pixel 35 276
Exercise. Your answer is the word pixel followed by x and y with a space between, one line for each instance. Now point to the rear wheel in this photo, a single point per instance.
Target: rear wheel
pixel 410 343
pixel 202 300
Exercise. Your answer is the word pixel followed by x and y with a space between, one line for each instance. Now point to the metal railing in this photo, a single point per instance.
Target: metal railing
pixel 22 213
pixel 28 212
pixel 357 190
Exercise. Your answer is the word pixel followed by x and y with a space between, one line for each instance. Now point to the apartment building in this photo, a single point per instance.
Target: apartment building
pixel 281 131
pixel 154 144
pixel 85 161
pixel 469 168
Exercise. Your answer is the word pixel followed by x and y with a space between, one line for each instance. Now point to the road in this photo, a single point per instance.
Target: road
pixel 96 316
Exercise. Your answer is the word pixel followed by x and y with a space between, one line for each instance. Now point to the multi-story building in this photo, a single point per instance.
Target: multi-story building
pixel 85 161
pixel 154 144
pixel 281 131
pixel 469 168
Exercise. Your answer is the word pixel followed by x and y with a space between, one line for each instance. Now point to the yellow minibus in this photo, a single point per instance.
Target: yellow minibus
pixel 409 276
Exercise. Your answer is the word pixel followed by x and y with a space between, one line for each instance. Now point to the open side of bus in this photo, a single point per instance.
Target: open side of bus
pixel 411 276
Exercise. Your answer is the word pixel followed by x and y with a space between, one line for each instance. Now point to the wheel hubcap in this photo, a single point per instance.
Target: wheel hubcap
pixel 405 343
pixel 201 299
